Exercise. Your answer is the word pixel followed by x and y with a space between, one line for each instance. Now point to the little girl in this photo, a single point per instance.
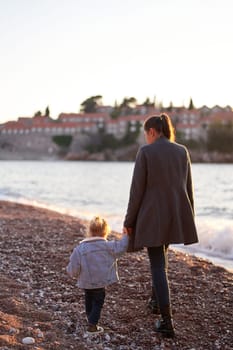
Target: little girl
pixel 94 263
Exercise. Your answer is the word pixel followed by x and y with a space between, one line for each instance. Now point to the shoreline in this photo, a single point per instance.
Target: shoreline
pixel 36 293
pixel 98 158
pixel 215 259
pixel 126 154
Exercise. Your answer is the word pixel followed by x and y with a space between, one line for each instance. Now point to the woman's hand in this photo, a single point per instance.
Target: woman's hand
pixel 127 230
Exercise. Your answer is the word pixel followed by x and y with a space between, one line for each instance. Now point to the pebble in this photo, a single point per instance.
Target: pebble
pixel 28 340
pixel 107 337
pixel 13 331
pixel 66 304
pixel 39 333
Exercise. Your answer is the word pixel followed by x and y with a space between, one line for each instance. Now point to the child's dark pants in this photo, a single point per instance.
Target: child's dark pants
pixel 94 301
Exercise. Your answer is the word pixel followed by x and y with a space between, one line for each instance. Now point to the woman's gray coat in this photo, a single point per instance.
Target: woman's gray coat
pixel 161 208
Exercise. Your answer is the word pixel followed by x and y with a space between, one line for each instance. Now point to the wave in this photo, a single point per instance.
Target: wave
pixel 215 242
pixel 216 237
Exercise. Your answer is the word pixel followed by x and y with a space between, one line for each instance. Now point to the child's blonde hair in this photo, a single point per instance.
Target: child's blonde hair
pixel 98 227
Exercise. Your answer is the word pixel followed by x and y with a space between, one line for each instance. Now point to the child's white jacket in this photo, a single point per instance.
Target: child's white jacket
pixel 94 261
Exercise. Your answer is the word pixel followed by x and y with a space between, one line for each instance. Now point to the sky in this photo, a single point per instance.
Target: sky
pixel 57 53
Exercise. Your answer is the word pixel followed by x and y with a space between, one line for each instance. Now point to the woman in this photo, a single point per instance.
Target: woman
pixel 161 209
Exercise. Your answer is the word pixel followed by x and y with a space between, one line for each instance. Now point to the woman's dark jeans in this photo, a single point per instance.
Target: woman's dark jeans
pixel 158 264
pixel 94 301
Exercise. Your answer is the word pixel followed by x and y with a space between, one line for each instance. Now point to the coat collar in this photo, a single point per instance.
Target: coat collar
pixel 95 238
pixel 162 139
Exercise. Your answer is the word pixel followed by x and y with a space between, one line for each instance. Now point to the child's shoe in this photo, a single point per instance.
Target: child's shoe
pixel 94 329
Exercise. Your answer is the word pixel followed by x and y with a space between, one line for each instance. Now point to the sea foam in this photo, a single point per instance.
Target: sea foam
pixel 216 237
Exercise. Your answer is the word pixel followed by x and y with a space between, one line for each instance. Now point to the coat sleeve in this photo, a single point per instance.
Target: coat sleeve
pixel 118 247
pixel 190 183
pixel 74 266
pixel 137 189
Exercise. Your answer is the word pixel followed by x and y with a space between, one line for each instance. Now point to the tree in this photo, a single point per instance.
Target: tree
pixel 131 135
pixel 38 114
pixel 220 137
pixel 128 104
pixel 91 103
pixel 191 105
pixel 148 103
pixel 47 111
pixel 116 111
pixel 63 141
pixel 191 144
pixel 170 107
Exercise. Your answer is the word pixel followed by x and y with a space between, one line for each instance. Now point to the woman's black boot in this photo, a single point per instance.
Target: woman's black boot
pixel 165 325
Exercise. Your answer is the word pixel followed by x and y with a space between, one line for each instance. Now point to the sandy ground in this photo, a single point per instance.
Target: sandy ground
pixel 39 300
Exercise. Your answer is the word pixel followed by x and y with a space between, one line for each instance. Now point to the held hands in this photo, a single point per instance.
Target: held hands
pixel 127 230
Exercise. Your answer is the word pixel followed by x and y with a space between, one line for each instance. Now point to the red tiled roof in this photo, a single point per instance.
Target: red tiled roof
pixel 13 124
pixel 223 116
pixel 20 126
pixel 70 115
pixel 63 116
pixel 220 116
pixel 43 122
pixel 185 112
pixel 136 117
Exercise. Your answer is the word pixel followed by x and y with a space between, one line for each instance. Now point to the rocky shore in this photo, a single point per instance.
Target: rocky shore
pixel 41 147
pixel 39 301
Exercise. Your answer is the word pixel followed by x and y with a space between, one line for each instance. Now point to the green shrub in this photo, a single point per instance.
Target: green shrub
pixel 63 141
pixel 220 137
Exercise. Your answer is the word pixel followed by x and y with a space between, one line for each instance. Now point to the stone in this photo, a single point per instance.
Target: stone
pixel 28 340
pixel 107 337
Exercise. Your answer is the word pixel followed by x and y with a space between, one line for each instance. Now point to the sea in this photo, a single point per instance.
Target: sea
pixel 84 189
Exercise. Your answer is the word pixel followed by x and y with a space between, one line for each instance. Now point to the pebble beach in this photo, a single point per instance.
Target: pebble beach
pixel 40 303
